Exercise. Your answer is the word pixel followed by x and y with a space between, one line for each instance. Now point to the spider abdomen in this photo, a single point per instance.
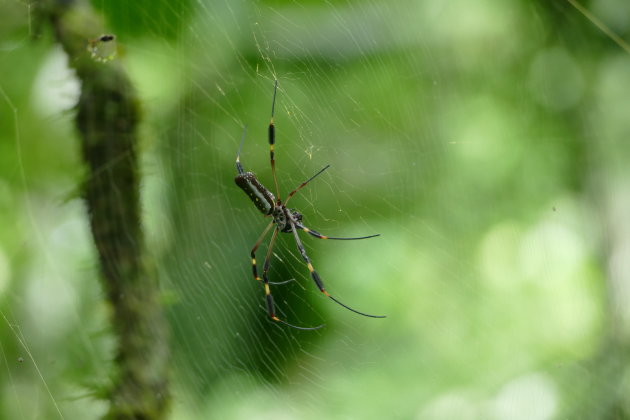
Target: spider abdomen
pixel 263 199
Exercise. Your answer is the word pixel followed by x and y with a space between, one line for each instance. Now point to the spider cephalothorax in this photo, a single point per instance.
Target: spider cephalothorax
pixel 285 220
pixel 283 217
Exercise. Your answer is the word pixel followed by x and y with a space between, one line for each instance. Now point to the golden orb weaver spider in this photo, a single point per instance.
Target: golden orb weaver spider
pixel 285 220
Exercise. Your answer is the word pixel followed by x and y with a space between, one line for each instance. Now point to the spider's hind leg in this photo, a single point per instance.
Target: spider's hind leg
pixel 320 236
pixel 271 310
pixel 318 281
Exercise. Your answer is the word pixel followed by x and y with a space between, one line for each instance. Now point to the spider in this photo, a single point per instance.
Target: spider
pixel 286 220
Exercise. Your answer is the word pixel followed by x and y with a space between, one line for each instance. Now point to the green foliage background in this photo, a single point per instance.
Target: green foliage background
pixel 486 141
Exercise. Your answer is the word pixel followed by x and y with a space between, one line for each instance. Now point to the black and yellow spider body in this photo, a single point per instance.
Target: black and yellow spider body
pixel 261 196
pixel 284 219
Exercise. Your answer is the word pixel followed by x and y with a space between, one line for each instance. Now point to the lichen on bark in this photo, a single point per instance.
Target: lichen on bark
pixel 107 118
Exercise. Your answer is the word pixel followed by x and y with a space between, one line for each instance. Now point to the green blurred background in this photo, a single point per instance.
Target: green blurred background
pixel 485 141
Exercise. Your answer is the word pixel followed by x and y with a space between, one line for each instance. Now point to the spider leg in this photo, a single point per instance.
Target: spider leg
pixel 253 255
pixel 255 248
pixel 304 184
pixel 320 236
pixel 269 298
pixel 299 328
pixel 272 141
pixel 239 166
pixel 317 279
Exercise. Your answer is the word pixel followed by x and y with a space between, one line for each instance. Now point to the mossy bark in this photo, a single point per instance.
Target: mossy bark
pixel 107 121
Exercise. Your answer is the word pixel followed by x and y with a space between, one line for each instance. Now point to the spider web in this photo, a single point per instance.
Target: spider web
pixel 482 141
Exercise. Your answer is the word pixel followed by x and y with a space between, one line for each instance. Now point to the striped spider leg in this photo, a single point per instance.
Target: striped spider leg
pixel 284 220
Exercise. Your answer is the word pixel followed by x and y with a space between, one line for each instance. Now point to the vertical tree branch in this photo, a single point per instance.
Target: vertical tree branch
pixel 107 119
